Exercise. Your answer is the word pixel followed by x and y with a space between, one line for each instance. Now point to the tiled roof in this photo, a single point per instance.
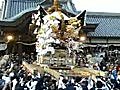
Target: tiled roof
pixel 20 14
pixel 14 21
pixel 14 7
pixel 109 24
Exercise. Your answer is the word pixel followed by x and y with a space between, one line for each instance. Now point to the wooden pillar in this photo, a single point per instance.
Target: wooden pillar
pixel 20 50
pixel 6 51
pixel 9 48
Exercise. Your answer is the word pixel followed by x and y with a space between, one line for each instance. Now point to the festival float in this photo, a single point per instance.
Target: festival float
pixel 58 37
pixel 57 34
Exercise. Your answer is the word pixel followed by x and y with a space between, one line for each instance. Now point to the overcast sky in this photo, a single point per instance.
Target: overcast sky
pixel 96 5
pixel 1 3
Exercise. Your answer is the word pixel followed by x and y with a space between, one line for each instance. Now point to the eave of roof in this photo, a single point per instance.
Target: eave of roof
pixel 90 27
pixel 14 21
pixel 103 14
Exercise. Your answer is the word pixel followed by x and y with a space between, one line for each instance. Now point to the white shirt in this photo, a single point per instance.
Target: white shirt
pixel 7 79
pixel 78 86
pixel 14 84
pixel 61 84
pixel 32 86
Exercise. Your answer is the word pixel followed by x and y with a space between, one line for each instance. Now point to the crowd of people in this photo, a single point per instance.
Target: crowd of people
pixel 14 76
